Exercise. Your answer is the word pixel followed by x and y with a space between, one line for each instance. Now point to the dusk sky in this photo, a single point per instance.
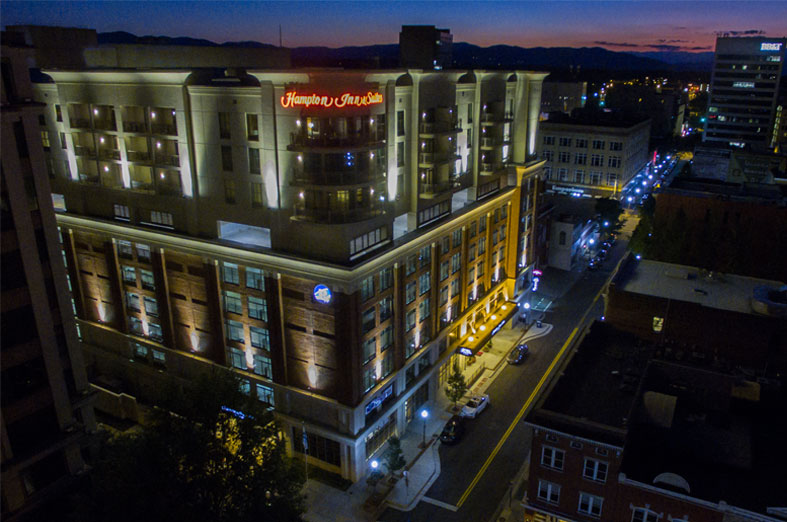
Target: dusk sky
pixel 619 26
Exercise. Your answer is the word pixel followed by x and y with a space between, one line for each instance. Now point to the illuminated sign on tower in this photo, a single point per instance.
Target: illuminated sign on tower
pixel 293 99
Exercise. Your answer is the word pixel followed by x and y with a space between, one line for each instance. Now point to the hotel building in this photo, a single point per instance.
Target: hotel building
pixel 743 92
pixel 594 154
pixel 334 236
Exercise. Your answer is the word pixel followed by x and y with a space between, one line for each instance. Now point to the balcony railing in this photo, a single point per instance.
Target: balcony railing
pixel 80 123
pixel 80 150
pixel 164 128
pixel 438 127
pixel 137 155
pixel 336 178
pixel 89 178
pixel 167 159
pixel 134 126
pixel 436 158
pixel 429 189
pixel 111 154
pixel 356 140
pixel 489 143
pixel 337 216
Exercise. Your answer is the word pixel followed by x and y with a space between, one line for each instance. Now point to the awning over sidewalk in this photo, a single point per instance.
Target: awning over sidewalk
pixel 474 341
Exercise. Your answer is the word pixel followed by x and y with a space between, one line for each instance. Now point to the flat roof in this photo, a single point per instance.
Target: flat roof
pixel 595 394
pixel 596 119
pixel 691 284
pixel 725 448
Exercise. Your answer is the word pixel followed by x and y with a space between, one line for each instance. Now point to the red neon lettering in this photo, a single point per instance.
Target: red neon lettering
pixel 292 99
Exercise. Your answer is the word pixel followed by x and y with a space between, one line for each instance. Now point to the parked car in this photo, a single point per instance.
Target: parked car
pixel 475 405
pixel 602 254
pixel 518 354
pixel 453 430
pixel 593 265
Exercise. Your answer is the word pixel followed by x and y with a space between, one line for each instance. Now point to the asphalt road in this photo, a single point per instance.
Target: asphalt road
pixel 458 496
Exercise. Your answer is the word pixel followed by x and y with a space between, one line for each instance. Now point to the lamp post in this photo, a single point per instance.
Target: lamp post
pixel 424 416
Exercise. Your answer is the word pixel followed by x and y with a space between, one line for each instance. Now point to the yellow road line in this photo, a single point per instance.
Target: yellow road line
pixel 529 400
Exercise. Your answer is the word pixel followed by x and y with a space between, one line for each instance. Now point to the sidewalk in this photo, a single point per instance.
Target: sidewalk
pixel 364 502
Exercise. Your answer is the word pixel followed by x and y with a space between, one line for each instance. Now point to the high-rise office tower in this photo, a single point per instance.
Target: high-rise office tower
pixel 46 406
pixel 425 47
pixel 743 91
pixel 333 236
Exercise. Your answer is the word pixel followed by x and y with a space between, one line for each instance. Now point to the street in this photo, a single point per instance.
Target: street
pixel 476 473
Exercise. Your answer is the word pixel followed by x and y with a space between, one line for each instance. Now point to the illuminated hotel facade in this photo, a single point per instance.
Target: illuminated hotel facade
pixel 334 236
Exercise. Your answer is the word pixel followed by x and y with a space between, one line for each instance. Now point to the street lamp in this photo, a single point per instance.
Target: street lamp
pixel 424 416
pixel 375 464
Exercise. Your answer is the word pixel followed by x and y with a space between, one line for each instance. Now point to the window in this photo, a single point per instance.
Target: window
pixel 400 130
pixel 457 238
pixel 552 457
pixel 386 308
pixel 265 394
pixel 595 177
pixel 590 504
pixel 455 288
pixel 143 252
pixel 547 155
pixel 254 161
pixel 480 268
pixel 445 245
pixel 63 142
pixel 400 154
pixel 230 273
pixel 597 160
pixel 254 278
pixel 471 275
pixel 262 366
pixel 151 306
pixel 443 295
pixel 549 492
pixel 367 288
pixel 473 229
pixel 121 212
pixel 226 158
pixel 614 161
pixel 424 283
pixel 132 301
pixel 423 310
pixel 124 249
pixel 235 331
pixel 409 320
pixel 598 144
pixel 58 113
pixel 582 143
pixel 258 308
pixel 369 349
pixel 579 176
pixel 482 224
pixel 411 265
pixel 658 323
pixel 409 293
pixel 562 237
pixel 612 179
pixel 161 218
pixel 369 320
pixel 387 366
pixel 155 332
pixel 481 246
pixel 425 256
pixel 444 270
pixel 368 240
pixel 615 145
pixel 369 379
pixel 386 338
pixel 595 470
pixel 386 278
pixel 224 125
pixel 564 157
pixel 260 338
pixel 146 276
pixel 229 191
pixel 549 140
pixel 565 142
pixel 580 158
pixel 471 253
pixel 129 274
pixel 562 174
pixel 256 194
pixel 158 356
pixel 232 303
pixel 645 515
pixel 237 359
pixel 252 128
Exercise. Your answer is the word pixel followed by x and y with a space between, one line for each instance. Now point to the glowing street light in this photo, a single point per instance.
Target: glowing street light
pixel 424 416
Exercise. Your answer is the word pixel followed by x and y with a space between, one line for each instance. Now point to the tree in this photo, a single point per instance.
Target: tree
pixel 609 210
pixel 393 456
pixel 456 387
pixel 210 452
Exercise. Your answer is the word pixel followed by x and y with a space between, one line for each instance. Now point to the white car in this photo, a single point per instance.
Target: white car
pixel 475 405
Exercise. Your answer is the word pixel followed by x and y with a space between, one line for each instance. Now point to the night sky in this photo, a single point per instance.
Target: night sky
pixel 619 26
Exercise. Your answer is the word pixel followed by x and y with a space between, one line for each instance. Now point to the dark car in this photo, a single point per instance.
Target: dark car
pixel 518 354
pixel 593 265
pixel 602 254
pixel 453 431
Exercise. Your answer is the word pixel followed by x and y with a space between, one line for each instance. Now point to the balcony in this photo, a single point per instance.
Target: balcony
pixel 336 216
pixel 356 141
pixel 164 129
pixel 430 190
pixel 87 152
pixel 487 169
pixel 335 178
pixel 85 177
pixel 138 155
pixel 490 143
pixel 439 127
pixel 490 118
pixel 109 154
pixel 428 159
pixel 135 126
pixel 168 159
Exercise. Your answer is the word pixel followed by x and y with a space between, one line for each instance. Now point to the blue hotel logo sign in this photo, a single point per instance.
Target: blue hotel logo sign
pixel 322 294
pixel 467 352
